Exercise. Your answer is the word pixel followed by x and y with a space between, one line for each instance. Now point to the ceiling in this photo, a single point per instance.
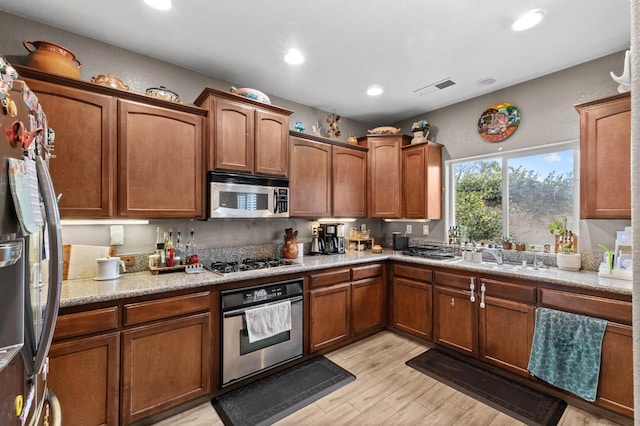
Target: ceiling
pixel 401 45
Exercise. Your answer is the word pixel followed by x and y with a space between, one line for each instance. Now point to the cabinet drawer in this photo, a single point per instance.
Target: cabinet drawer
pixel 511 291
pixel 86 322
pixel 453 280
pixel 136 313
pixel 330 278
pixel 368 271
pixel 412 272
pixel 615 310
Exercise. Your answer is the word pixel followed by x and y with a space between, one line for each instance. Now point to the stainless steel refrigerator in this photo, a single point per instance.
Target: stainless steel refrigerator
pixel 30 256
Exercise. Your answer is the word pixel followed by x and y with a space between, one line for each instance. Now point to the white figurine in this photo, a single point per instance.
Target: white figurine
pixel 624 81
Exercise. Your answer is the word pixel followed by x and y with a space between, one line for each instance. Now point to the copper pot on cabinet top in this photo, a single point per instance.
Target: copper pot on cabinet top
pixel 52 58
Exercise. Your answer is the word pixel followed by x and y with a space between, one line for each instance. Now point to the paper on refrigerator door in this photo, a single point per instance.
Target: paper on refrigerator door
pixel 34 191
pixel 19 183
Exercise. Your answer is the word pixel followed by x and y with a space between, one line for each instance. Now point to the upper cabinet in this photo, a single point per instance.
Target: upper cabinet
pixel 605 152
pixel 121 154
pixel 328 178
pixel 385 174
pixel 244 135
pixel 422 181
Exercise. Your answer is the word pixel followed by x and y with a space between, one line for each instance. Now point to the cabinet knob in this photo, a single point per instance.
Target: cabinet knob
pixel 453 302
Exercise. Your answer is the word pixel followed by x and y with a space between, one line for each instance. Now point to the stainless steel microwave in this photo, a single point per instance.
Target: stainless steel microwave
pixel 233 195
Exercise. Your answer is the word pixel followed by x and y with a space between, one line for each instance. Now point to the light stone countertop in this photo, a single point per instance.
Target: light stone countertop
pixel 85 291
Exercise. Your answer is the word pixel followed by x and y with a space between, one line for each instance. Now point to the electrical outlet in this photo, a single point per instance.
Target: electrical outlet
pixel 425 229
pixel 409 229
pixel 129 261
pixel 117 235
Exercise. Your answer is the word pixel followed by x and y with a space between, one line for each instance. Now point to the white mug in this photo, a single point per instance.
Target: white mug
pixel 109 268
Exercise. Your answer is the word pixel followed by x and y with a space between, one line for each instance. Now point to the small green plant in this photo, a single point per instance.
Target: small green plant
pixel 565 239
pixel 508 238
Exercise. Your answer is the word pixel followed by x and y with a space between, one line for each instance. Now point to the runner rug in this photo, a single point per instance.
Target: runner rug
pixel 273 398
pixel 514 399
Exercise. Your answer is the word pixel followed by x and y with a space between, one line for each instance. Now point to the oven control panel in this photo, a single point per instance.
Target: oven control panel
pixel 232 299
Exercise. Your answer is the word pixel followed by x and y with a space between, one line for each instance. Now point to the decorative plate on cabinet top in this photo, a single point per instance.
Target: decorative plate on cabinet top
pixel 384 130
pixel 254 94
pixel 499 121
pixel 163 93
pixel 109 81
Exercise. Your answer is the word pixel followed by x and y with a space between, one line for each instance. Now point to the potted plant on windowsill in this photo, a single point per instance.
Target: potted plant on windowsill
pixel 566 245
pixel 507 242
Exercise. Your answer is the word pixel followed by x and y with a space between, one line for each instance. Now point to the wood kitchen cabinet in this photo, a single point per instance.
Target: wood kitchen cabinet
pixel 244 135
pixel 474 315
pixel 160 162
pixel 327 179
pixel 166 355
pixel 84 170
pixel 412 300
pixel 85 366
pixel 422 181
pixel 345 304
pixel 605 150
pixel 121 154
pixel 615 387
pixel 385 174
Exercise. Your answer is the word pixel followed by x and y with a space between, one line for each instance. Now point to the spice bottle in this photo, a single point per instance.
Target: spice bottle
pixel 160 246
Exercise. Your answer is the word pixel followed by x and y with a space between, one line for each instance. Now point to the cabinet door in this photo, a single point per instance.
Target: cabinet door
pixel 310 179
pixel 367 305
pixel 412 307
pixel 84 374
pixel 330 312
pixel 422 181
pixel 605 168
pixel 615 389
pixel 161 162
pixel 234 148
pixel 84 169
pixel 271 144
pixel 165 365
pixel 385 180
pixel 455 323
pixel 506 334
pixel 349 182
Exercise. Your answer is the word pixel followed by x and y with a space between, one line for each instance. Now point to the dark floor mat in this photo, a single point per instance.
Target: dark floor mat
pixel 273 398
pixel 518 401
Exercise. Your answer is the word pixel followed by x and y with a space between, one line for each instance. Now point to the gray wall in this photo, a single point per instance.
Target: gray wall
pixel 548 116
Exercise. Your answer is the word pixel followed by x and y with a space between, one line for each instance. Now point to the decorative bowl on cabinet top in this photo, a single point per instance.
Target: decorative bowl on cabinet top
pixel 254 94
pixel 52 58
pixel 384 130
pixel 163 93
pixel 109 81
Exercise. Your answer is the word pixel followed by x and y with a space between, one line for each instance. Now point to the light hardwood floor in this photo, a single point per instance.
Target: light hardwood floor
pixel 387 392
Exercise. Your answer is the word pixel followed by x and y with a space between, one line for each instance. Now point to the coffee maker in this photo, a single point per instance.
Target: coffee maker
pixel 331 238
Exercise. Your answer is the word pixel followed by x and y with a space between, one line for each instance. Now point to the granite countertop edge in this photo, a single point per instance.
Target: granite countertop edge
pixel 87 291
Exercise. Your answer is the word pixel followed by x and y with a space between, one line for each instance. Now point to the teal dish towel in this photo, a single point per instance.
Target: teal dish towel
pixel 566 351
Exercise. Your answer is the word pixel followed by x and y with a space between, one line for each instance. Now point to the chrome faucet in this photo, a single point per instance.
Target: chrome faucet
pixel 496 253
pixel 537 264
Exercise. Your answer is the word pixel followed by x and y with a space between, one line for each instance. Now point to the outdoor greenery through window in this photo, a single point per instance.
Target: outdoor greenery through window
pixel 514 195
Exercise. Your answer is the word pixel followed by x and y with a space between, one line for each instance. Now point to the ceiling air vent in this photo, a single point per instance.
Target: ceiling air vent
pixel 434 87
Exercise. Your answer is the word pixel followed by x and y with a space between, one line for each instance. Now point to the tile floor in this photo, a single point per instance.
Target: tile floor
pixel 387 392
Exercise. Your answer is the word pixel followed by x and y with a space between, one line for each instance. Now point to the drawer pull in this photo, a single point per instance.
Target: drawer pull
pixel 482 290
pixel 472 288
pixel 453 302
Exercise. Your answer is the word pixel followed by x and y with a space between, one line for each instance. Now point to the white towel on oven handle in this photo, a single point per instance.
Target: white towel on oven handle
pixel 267 321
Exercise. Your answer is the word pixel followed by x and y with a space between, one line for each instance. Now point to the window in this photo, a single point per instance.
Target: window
pixel 514 193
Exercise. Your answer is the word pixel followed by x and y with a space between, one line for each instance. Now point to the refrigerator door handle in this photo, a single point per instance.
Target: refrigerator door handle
pixel 52 217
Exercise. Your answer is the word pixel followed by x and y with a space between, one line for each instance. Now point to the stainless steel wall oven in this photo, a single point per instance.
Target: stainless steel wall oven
pixel 242 358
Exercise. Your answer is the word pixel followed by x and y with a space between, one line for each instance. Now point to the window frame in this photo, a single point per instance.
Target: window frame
pixel 504 156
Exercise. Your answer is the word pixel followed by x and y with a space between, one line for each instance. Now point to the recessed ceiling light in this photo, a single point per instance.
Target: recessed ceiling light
pixel 159 4
pixel 374 91
pixel 294 57
pixel 528 20
pixel 486 81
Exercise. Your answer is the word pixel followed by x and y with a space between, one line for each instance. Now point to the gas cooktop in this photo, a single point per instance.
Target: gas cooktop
pixel 250 264
pixel 430 251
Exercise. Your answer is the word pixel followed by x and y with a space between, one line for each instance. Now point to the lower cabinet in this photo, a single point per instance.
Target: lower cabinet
pixel 166 356
pixel 345 303
pixel 485 318
pixel 164 365
pixel 84 377
pixel 412 302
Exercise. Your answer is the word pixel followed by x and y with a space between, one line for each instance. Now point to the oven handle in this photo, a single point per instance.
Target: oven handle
pixel 241 311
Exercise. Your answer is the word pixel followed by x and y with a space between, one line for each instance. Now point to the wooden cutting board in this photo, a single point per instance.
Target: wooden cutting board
pixel 79 261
